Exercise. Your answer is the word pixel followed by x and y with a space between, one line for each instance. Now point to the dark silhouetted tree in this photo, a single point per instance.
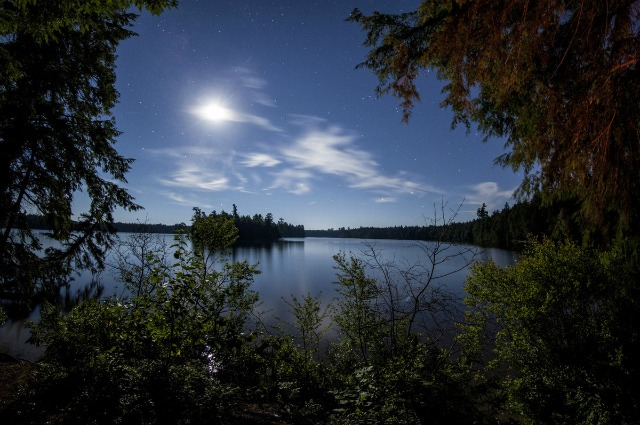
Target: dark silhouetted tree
pixel 57 133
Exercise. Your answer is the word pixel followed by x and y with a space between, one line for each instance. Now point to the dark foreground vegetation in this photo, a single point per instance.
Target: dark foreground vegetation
pixel 186 344
pixel 552 339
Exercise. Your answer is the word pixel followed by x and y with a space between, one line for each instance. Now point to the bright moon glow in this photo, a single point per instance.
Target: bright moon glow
pixel 215 112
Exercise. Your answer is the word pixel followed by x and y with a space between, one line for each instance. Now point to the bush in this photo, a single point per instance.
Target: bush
pixel 562 324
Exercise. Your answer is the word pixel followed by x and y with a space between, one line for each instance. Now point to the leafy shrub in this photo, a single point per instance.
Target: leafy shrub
pixel 562 323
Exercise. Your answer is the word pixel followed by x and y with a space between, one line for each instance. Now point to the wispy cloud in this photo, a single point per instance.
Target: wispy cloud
pixel 202 168
pixel 256 120
pixel 221 114
pixel 184 200
pixel 333 151
pixel 330 152
pixel 393 184
pixel 260 160
pixel 293 181
pixel 198 178
pixel 255 85
pixel 488 193
pixel 183 152
pixel 292 164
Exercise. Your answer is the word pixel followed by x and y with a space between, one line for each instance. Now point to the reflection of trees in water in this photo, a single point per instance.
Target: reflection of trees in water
pixel 67 295
pixel 69 298
pixel 49 278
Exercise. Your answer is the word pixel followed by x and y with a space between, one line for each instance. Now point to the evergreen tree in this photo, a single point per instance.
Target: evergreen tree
pixel 57 133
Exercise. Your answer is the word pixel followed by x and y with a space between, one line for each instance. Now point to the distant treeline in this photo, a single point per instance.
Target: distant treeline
pixel 39 222
pixel 252 229
pixel 150 228
pixel 506 228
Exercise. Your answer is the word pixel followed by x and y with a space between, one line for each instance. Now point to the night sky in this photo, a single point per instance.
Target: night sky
pixel 258 103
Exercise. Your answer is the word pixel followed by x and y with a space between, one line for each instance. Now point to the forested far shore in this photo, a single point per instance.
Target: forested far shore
pixel 39 222
pixel 506 228
pixel 252 229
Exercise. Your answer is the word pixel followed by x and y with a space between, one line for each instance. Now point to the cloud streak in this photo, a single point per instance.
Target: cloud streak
pixel 255 120
pixel 333 151
pixel 386 200
pixel 291 165
pixel 197 178
pixel 488 193
pixel 179 199
pixel 255 86
pixel 260 160
pixel 293 181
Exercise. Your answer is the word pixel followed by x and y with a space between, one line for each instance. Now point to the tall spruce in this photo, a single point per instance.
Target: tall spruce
pixel 57 132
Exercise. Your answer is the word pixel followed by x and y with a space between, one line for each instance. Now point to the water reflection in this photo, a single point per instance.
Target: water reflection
pixel 288 266
pixel 305 265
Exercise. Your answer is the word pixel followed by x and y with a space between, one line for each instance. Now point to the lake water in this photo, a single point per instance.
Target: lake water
pixel 292 266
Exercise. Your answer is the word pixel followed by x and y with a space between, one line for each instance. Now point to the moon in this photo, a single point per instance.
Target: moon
pixel 215 112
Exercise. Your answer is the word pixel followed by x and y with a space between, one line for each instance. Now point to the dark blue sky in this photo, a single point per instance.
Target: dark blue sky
pixel 258 103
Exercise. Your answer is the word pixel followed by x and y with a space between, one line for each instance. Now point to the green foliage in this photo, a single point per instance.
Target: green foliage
pixel 309 321
pixel 46 21
pixel 385 371
pixel 557 79
pixel 293 376
pixel 421 385
pixel 562 323
pixel 293 380
pixel 212 233
pixel 359 320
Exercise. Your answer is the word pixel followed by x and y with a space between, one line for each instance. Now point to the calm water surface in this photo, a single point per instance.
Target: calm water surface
pixel 289 266
pixel 305 265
